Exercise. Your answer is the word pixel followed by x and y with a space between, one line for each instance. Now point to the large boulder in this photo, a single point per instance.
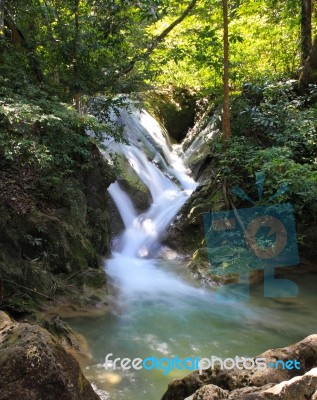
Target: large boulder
pixel 34 366
pixel 298 388
pixel 252 380
pixel 210 392
pixel 186 233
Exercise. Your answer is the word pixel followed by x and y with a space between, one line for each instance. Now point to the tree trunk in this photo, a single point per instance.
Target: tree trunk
pixel 2 19
pixel 77 102
pixel 309 72
pixel 306 30
pixel 75 78
pixel 226 106
pixel 20 41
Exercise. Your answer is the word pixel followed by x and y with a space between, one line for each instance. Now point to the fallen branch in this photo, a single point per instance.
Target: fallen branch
pixel 29 289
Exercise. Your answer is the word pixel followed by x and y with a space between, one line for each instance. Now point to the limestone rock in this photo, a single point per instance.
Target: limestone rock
pixel 248 381
pixel 182 388
pixel 34 366
pixel 211 392
pixel 298 388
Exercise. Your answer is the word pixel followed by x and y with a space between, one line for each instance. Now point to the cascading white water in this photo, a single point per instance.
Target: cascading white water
pixel 131 267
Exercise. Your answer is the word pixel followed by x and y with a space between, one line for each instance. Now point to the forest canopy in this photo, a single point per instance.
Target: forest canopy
pixel 95 46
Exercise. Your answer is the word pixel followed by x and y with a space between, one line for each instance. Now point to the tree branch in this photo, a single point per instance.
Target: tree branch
pixel 158 39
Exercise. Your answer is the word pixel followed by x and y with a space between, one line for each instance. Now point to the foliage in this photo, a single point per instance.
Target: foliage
pixel 80 46
pixel 42 133
pixel 38 130
pixel 90 47
pixel 274 131
pixel 260 31
pixel 105 110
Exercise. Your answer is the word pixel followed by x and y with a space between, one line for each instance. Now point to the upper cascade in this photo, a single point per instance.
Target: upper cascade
pixel 159 167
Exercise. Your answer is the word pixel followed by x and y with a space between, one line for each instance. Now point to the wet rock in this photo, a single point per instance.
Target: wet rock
pixel 137 191
pixel 203 271
pixel 175 108
pixel 182 388
pixel 34 366
pixel 138 194
pixel 210 392
pixel 298 388
pixel 305 352
pixel 186 234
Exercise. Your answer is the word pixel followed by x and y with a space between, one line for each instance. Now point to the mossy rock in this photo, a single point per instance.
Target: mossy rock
pixel 187 231
pixel 94 278
pixel 175 108
pixel 41 249
pixel 33 365
pixel 201 268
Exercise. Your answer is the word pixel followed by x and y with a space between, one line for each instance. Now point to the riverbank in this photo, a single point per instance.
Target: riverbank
pixel 53 204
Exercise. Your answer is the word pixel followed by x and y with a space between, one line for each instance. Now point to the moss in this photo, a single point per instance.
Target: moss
pixel 175 108
pixel 128 175
pixel 187 232
pixel 95 279
pixel 48 248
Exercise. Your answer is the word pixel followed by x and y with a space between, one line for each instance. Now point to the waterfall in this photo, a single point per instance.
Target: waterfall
pixel 133 268
pixel 156 312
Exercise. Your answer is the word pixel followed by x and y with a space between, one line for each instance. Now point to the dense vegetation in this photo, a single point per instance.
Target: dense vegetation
pixel 275 131
pixel 53 227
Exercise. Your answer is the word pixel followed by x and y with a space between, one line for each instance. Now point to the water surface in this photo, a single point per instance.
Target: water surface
pixel 187 326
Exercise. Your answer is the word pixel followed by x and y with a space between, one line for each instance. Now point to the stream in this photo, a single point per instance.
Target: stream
pixel 156 307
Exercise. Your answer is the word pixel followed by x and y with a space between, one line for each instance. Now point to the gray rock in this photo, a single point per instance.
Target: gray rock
pixel 182 388
pixel 34 366
pixel 298 388
pixel 304 351
pixel 211 392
